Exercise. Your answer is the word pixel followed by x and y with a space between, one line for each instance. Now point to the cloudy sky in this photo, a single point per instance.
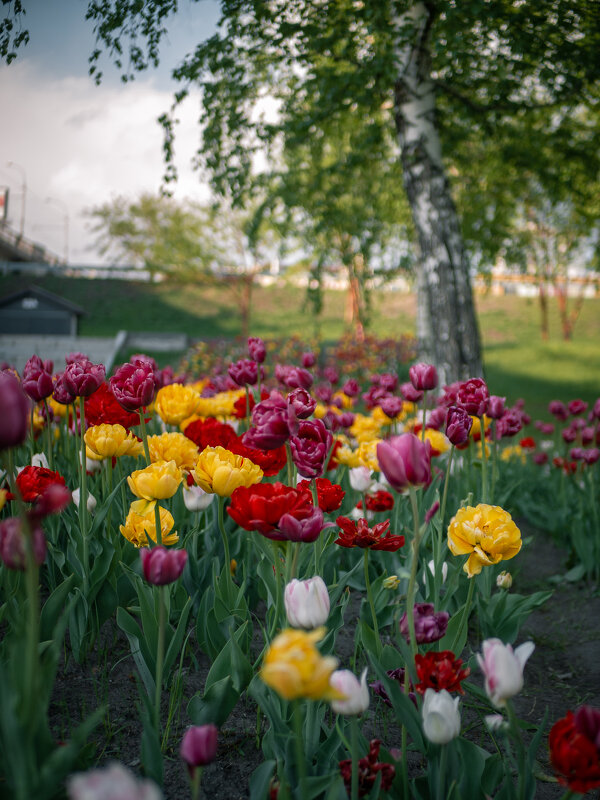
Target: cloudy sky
pixel 77 145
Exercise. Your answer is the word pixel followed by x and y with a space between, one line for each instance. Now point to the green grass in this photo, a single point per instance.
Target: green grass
pixel 517 362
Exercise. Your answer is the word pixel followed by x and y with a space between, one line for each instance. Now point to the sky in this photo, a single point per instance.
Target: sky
pixel 76 145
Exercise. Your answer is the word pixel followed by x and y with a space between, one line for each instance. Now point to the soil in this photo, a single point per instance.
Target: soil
pixel 562 673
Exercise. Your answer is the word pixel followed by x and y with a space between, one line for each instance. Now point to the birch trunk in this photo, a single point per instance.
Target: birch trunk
pixel 447 328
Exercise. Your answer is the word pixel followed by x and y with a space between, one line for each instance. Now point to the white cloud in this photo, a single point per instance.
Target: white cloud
pixel 81 145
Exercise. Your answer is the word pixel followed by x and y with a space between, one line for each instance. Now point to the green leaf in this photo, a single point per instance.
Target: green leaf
pixel 177 640
pixel 260 780
pixel 144 660
pixel 54 607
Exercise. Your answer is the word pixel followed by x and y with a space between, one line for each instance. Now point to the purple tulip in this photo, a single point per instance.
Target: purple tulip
pixel 509 424
pixel 37 378
pixel 161 566
pixel 405 461
pixel 302 530
pixel 14 411
pixel 596 409
pixel 351 388
pixel 496 406
pixel 12 543
pixel 547 428
pixel 473 395
pixel 410 393
pixel 300 406
pixel 310 448
pixel 323 392
pixel 142 360
pixel 308 360
pixel 299 378
pixel 591 456
pixel 587 722
pixel 558 410
pixel 256 349
pixel 72 358
pixel 436 419
pixel 199 746
pixel 133 386
pixel 458 425
pixel 331 374
pixel 430 625
pixel 243 372
pixel 569 435
pixel 391 405
pixel 577 407
pixel 374 396
pixel 61 394
pixel 82 378
pixel 423 376
pixel 270 424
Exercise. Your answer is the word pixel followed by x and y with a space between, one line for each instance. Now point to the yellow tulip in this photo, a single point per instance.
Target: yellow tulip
pixel 365 429
pixel 157 482
pixel 173 447
pixel 367 454
pixel 175 402
pixel 3 494
pixel 294 667
pixel 58 409
pixel 106 441
pixel 514 451
pixel 138 527
pixel 219 471
pixel 437 440
pixel 486 533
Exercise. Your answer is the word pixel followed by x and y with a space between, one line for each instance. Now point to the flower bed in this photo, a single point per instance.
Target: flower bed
pixel 299 550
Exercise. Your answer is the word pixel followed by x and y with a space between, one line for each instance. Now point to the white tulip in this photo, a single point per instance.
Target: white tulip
pixel 441 717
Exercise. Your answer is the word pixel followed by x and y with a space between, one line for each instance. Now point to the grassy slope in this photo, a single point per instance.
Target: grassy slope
pixel 518 363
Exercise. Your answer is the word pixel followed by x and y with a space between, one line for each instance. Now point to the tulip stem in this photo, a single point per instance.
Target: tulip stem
pixel 160 654
pixel 247 407
pixel 221 507
pixel 514 724
pixel 424 417
pixel 48 433
pixel 484 487
pixel 441 781
pixel 410 592
pixel 144 436
pixel 290 465
pixel 157 523
pixel 494 461
pixel 83 498
pixel 370 599
pixel 300 759
pixel 195 783
pixel 295 559
pixel 465 615
pixel 277 564
pixel 446 482
pixel 354 754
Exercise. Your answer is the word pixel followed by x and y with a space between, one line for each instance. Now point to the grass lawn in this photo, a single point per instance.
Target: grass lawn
pixel 517 362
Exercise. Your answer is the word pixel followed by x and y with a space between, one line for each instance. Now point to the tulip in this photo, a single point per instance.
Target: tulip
pixel 173 446
pixel 243 372
pixel 71 358
pixel 405 461
pixel 391 406
pixel 91 500
pixel 221 472
pixel 308 360
pixel 14 411
pixel 431 567
pixel 12 543
pixel 294 667
pixel 473 395
pixel 60 392
pixel 140 526
pixel 486 533
pixel 360 479
pixel 199 746
pixel 331 374
pixel 300 405
pixel 37 379
pixel 133 386
pixel 306 603
pixel 577 407
pixel 106 441
pixel 423 377
pixel 503 669
pixel 351 388
pixel 495 407
pixel 270 427
pixel 161 566
pixel 504 580
pixel 441 717
pixel 410 393
pixel 256 349
pixel 195 498
pixel 157 482
pixel 458 425
pixel 310 448
pixel 302 529
pixel 356 693
pixel 82 378
pixel 559 410
pixel 114 781
pixel 175 402
pixel 430 626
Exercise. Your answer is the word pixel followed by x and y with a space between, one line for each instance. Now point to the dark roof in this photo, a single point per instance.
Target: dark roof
pixel 42 294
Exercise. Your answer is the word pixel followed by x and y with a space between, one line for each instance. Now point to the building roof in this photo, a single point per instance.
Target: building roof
pixel 47 297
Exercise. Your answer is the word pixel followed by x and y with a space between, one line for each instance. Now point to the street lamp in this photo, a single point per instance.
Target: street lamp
pixel 61 203
pixel 20 169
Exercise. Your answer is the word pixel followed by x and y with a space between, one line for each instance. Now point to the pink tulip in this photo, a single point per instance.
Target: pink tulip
pixel 423 377
pixel 161 566
pixel 405 461
pixel 307 603
pixel 199 746
pixel 503 669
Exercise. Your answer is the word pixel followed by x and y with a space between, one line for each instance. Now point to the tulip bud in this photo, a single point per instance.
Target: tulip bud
pixel 308 360
pixel 503 669
pixel 410 393
pixel 302 530
pixel 360 479
pixel 256 349
pixel 14 411
pixel 37 378
pixel 391 406
pixel 504 580
pixel 195 498
pixel 306 603
pixel 91 500
pixel 357 694
pixel 114 781
pixel 391 582
pixel 441 717
pixel 458 425
pixel 243 372
pixel 82 378
pixel 423 377
pixel 161 566
pixel 405 461
pixel 12 544
pixel 495 407
pixel 431 566
pixel 199 746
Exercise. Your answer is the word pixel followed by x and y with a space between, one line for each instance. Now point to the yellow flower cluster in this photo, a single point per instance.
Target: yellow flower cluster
pixel 139 526
pixel 176 402
pixel 486 533
pixel 294 667
pixel 364 456
pixel 514 451
pixel 438 441
pixel 173 447
pixel 365 428
pixel 219 471
pixel 105 441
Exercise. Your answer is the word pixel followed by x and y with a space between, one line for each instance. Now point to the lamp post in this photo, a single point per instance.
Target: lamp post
pixel 61 204
pixel 20 169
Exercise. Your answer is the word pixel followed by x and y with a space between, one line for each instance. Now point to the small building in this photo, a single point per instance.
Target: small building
pixel 36 311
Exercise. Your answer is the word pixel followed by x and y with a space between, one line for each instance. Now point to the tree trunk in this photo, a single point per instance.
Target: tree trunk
pixel 447 328
pixel 543 309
